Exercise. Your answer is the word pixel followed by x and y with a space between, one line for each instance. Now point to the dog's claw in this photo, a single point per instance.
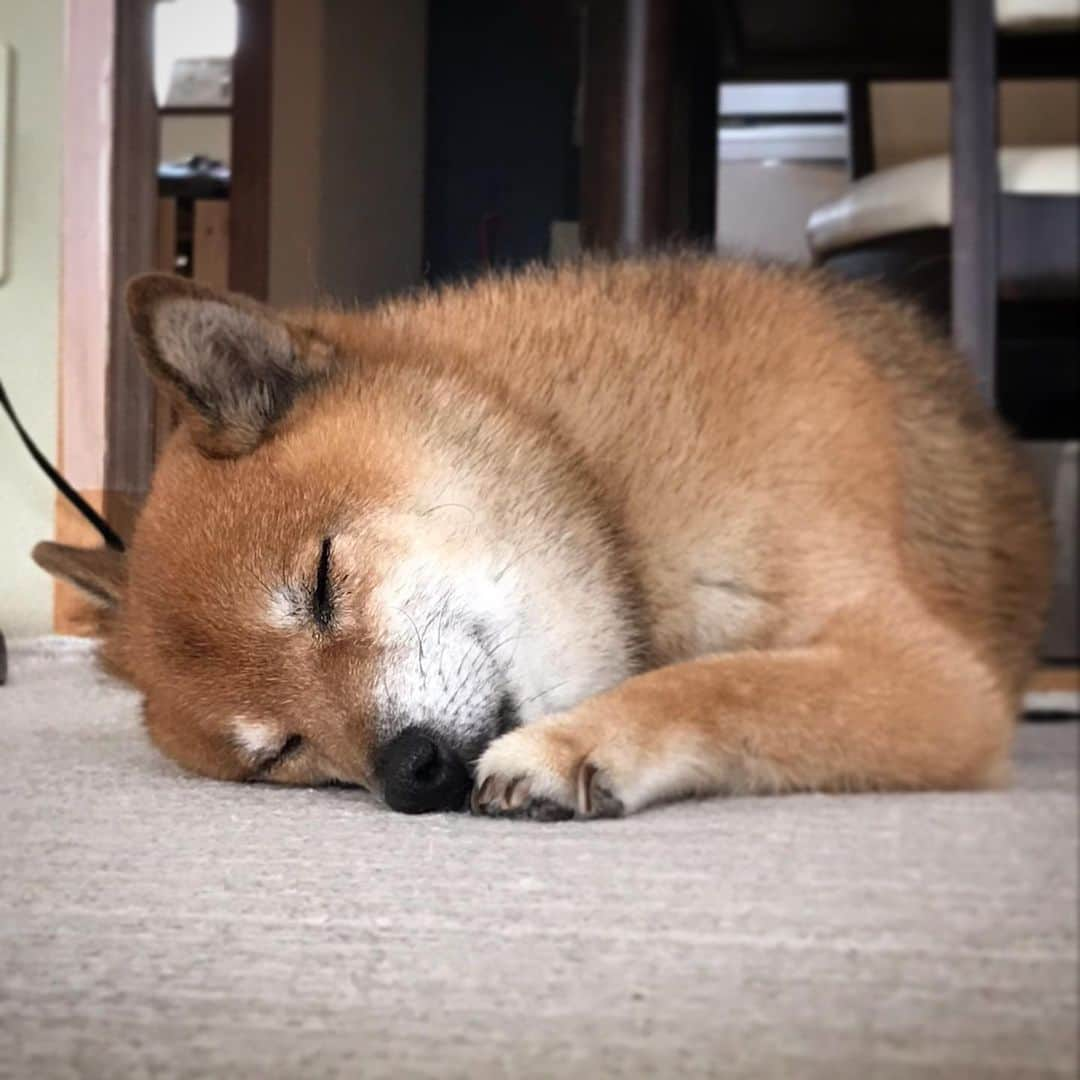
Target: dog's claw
pixel 487 797
pixel 594 796
pixel 516 794
pixel 545 773
pixel 479 796
pixel 514 798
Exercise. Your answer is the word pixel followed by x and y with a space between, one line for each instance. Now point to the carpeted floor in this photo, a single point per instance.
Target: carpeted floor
pixel 153 924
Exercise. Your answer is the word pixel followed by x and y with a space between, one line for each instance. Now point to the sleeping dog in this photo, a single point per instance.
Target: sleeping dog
pixel 571 542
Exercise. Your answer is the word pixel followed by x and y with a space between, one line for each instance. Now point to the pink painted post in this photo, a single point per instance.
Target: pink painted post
pixel 86 239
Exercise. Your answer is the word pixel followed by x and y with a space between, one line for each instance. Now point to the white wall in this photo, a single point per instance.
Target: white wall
pixel 29 306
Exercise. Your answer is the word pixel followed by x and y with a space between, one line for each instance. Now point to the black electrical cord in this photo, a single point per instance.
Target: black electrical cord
pixel 111 539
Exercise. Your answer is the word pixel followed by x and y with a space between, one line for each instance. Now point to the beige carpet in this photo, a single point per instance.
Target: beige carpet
pixel 158 925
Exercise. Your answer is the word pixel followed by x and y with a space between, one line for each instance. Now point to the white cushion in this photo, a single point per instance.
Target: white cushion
pixel 1037 16
pixel 917 195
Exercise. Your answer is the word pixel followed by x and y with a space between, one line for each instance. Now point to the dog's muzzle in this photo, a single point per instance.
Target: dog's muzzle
pixel 421 774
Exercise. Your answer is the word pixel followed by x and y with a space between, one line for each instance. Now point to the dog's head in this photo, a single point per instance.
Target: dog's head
pixel 357 563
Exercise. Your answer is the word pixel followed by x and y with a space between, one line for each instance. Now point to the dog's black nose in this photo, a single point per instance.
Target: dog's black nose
pixel 421 774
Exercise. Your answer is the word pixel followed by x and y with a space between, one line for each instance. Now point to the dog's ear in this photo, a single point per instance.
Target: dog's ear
pixel 232 367
pixel 98 572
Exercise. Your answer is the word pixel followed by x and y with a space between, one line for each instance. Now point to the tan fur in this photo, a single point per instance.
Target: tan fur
pixel 823 557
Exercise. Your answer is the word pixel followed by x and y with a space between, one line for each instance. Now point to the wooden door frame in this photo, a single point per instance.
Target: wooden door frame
pixel 109 221
pixel 129 393
pixel 252 129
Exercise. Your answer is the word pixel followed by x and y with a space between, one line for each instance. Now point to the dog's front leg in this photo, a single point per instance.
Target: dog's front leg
pixel 870 714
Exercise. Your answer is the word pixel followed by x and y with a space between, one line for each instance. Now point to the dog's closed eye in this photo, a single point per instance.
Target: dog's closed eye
pixel 322 601
pixel 288 749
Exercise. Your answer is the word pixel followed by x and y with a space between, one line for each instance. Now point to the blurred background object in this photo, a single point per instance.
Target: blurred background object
pixel 348 149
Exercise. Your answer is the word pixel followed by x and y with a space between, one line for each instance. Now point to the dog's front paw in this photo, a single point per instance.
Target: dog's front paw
pixel 546 772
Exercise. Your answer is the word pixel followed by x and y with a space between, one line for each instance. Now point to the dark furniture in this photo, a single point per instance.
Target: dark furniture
pixel 652 67
pixel 650 161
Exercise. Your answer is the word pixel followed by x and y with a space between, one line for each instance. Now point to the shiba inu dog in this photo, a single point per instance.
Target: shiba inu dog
pixel 571 542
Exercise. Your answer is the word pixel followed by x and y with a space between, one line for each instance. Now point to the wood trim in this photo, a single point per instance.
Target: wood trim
pixel 129 405
pixel 210 243
pixel 249 221
pixel 72 614
pixel 975 188
pixel 165 256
